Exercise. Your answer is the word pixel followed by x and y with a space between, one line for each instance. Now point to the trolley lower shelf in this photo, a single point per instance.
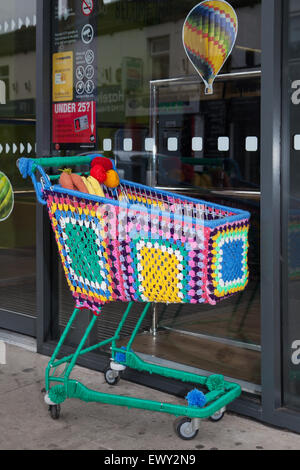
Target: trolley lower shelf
pixel 58 388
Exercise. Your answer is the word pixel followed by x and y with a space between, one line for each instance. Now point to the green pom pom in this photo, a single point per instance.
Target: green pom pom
pixel 57 394
pixel 215 382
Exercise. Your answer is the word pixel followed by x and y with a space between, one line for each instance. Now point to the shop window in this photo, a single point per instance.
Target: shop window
pixel 17 138
pixel 291 207
pixel 159 53
pixel 154 119
pixel 4 77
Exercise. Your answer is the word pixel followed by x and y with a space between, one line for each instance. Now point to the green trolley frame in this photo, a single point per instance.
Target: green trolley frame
pixel 60 386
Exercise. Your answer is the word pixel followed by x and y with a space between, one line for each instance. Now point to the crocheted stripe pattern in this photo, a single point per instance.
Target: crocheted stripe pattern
pixel 110 252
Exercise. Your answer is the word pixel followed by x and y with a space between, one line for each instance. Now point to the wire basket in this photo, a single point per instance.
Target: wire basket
pixel 146 245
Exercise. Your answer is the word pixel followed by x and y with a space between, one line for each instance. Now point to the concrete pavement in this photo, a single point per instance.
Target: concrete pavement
pixel 26 424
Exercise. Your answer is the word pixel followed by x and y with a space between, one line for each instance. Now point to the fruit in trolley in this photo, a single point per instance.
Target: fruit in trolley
pixel 99 173
pixel 112 179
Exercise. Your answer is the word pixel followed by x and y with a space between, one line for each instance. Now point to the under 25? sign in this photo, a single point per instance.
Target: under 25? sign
pixel 74 123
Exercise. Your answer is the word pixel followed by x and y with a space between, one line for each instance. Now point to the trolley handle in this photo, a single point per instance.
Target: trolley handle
pixel 29 167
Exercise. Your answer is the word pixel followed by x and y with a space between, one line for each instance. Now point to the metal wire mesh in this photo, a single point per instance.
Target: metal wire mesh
pixel 150 197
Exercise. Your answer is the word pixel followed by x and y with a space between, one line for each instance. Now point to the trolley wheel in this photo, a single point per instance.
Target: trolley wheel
pixel 112 377
pixel 184 429
pixel 217 416
pixel 54 411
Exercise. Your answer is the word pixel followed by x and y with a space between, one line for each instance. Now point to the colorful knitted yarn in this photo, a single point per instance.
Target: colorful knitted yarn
pixel 112 179
pixel 196 398
pixel 128 252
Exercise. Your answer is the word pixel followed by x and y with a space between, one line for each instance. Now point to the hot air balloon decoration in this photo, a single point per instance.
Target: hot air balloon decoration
pixel 209 35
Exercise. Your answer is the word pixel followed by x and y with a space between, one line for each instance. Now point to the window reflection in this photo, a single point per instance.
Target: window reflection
pixel 209 146
pixel 17 137
pixel 291 209
pixel 227 153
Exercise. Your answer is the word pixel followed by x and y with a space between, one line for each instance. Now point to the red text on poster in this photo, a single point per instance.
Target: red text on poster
pixel 74 122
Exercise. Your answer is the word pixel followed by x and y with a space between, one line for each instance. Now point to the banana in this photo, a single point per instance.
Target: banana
pixel 92 184
pixel 88 185
pixel 98 191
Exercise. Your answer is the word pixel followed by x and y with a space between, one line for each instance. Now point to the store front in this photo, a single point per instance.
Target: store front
pixel 123 66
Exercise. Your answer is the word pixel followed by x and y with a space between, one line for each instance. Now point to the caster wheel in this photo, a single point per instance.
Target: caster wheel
pixel 54 411
pixel 112 377
pixel 217 416
pixel 184 429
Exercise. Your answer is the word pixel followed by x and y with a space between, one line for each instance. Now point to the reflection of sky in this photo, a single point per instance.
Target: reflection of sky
pixel 15 9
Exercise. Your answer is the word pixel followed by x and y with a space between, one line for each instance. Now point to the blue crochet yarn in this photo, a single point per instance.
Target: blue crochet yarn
pixel 25 167
pixel 120 357
pixel 196 398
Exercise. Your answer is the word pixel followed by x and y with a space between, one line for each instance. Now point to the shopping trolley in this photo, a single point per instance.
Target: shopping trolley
pixel 140 244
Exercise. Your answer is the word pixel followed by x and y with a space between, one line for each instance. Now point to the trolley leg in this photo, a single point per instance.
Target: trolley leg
pixel 137 327
pixel 196 424
pixel 121 324
pixel 111 373
pixel 154 320
pixel 54 408
pixel 59 345
pixel 78 350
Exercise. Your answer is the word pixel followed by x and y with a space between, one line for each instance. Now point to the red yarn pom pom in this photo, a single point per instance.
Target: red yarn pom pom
pixel 106 163
pixel 99 173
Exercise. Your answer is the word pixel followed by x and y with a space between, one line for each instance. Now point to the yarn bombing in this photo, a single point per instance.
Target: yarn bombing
pixel 144 252
pixel 112 179
pixel 99 173
pixel 25 166
pixel 120 357
pixel 106 163
pixel 196 398
pixel 215 382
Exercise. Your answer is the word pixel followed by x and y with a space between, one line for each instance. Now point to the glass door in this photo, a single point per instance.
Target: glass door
pixel 291 206
pixel 17 138
pixel 208 147
pixel 174 137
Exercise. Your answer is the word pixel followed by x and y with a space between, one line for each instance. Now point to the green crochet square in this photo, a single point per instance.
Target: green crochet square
pixel 88 261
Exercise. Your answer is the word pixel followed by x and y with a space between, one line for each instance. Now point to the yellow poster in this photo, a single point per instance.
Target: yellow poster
pixel 63 76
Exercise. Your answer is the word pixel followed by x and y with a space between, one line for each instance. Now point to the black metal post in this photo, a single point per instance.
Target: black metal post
pixel 43 129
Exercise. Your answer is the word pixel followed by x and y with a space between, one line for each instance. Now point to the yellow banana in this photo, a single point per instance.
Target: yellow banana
pixel 96 186
pixel 88 185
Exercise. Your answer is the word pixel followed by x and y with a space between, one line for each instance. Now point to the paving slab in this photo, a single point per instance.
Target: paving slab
pixel 26 425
